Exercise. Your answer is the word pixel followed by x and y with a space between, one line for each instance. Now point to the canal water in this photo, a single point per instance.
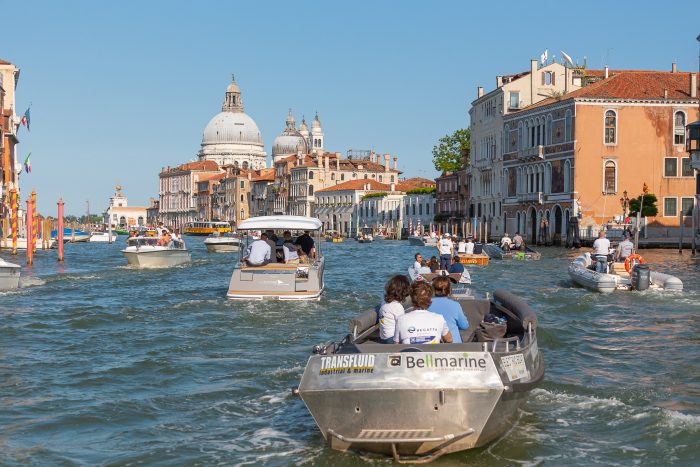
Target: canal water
pixel 103 364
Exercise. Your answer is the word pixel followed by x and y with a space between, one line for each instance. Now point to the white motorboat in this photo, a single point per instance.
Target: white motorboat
pixel 103 237
pixel 225 243
pixel 582 272
pixel 416 402
pixel 426 240
pixel 22 243
pixel 302 280
pixel 147 252
pixel 365 238
pixel 9 275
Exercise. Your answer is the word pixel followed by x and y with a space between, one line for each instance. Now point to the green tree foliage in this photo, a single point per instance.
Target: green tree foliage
pixel 379 194
pixel 449 154
pixel 421 191
pixel 648 210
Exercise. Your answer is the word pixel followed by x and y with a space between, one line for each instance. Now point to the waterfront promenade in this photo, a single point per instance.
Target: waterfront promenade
pixel 103 364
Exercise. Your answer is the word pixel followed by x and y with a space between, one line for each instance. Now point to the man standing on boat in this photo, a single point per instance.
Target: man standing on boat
pixel 446 249
pixel 601 248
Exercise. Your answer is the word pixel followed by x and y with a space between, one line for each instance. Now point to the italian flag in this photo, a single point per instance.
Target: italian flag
pixel 27 167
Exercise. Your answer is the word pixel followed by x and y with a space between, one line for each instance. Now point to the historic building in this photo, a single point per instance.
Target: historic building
pixel 9 123
pixel 122 214
pixel 580 154
pixel 512 94
pixel 231 137
pixel 293 140
pixel 206 200
pixel 177 191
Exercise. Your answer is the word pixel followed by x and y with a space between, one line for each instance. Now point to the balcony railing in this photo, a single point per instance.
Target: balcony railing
pixel 536 152
pixel 536 197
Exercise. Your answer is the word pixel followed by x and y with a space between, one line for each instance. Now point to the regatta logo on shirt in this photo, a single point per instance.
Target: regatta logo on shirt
pixel 442 362
pixel 347 364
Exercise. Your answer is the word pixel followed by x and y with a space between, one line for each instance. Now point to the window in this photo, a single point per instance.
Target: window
pixel 407 209
pixel 686 168
pixel 342 177
pixel 548 78
pixel 670 207
pixel 414 209
pixel 514 100
pixel 568 126
pixel 420 209
pixel 670 167
pixel 311 175
pixel 241 198
pixel 333 176
pixel 679 128
pixel 610 127
pixel 687 206
pixel 311 190
pixel 427 208
pixel 609 178
pixel 242 184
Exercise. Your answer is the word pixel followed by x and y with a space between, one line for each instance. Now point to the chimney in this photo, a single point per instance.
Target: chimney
pixel 326 163
pixel 693 85
pixel 479 92
pixel 319 161
pixel 386 162
pixel 499 81
pixel 396 158
pixel 607 72
pixel 665 93
pixel 533 67
pixel 673 67
pixel 393 187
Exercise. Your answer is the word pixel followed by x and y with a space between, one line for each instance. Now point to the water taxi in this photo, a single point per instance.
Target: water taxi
pixel 206 228
pixel 418 402
pixel 9 275
pixel 147 252
pixel 226 243
pixel 302 280
pixel 495 251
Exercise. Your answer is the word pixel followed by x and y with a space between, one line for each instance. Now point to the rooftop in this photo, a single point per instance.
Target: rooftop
pixel 358 185
pixel 413 183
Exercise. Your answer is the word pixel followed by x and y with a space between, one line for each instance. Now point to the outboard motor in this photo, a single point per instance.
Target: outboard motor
pixel 641 277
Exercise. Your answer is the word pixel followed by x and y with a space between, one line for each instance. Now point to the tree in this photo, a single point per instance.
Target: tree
pixel 452 151
pixel 649 209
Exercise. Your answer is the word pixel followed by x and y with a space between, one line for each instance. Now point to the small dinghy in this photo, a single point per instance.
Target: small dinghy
pixel 417 402
pixel 9 275
pixel 495 251
pixel 226 243
pixel 620 276
pixel 147 252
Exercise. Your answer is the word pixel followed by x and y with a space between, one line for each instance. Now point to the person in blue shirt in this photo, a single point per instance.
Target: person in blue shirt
pixel 456 266
pixel 448 308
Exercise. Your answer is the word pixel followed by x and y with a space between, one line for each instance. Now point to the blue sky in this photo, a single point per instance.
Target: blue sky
pixel 120 89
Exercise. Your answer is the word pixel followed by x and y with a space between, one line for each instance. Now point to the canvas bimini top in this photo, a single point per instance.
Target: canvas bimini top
pixel 280 222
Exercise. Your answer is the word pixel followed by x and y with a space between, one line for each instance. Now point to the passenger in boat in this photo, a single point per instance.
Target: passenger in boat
pixel 446 250
pixel 303 258
pixel 601 249
pixel 433 264
pixel 289 249
pixel 166 240
pixel 424 268
pixel 624 248
pixel 470 246
pixel 417 263
pixel 518 242
pixel 456 266
pixel 448 308
pixel 395 292
pixel 259 252
pixel 307 244
pixel 462 246
pixel 421 326
pixel 506 242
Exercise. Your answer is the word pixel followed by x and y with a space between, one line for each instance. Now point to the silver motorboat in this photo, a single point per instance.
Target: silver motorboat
pixel 496 252
pixel 9 275
pixel 148 252
pixel 418 402
pixel 297 280
pixel 223 243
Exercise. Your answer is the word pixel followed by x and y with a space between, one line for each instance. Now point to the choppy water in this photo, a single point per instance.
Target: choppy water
pixel 103 364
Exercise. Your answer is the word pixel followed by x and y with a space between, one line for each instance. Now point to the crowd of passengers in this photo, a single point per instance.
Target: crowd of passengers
pixel 170 238
pixel 265 250
pixel 435 317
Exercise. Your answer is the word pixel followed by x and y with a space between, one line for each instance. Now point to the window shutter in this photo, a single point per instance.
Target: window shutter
pixel 543 78
pixel 553 76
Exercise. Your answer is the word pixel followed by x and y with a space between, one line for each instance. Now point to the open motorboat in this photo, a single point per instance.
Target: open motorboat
pixel 147 252
pixel 620 276
pixel 103 237
pixel 224 243
pixel 495 251
pixel 417 402
pixel 334 236
pixel 22 243
pixel 302 280
pixel 72 235
pixel 423 240
pixel 365 238
pixel 478 257
pixel 9 275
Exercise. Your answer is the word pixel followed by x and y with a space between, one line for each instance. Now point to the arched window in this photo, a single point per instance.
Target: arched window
pixel 568 130
pixel 609 177
pixel 610 127
pixel 242 214
pixel 414 209
pixel 427 208
pixel 311 190
pixel 380 178
pixel 392 179
pixel 333 176
pixel 679 128
pixel 365 176
pixel 311 175
pixel 420 209
pixel 241 198
pixel 548 132
pixel 235 164
pixel 342 177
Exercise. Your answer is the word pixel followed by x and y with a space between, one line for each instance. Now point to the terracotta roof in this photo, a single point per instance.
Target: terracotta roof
pixel 358 184
pixel 631 85
pixel 199 165
pixel 207 177
pixel 413 183
pixel 4 62
pixel 264 175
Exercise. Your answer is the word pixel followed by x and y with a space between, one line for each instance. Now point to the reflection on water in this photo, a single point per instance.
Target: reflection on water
pixel 104 363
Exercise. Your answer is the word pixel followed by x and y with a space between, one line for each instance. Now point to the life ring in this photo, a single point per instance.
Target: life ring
pixel 630 258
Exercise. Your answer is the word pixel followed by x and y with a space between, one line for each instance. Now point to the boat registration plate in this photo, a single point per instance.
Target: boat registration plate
pixel 514 366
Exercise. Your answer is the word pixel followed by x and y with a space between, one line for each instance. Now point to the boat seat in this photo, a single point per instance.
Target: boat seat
pixel 272 267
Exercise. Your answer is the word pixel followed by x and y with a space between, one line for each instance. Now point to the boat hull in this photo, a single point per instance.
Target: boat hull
pixel 277 281
pixel 222 244
pixel 9 276
pixel 473 259
pixel 22 244
pixel 157 258
pixel 496 252
pixel 102 237
pixel 580 274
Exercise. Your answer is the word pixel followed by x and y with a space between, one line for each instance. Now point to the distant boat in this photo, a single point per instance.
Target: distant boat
pixel 22 243
pixel 71 235
pixel 223 243
pixel 102 237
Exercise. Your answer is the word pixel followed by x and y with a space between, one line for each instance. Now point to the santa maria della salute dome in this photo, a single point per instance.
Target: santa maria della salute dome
pixel 232 137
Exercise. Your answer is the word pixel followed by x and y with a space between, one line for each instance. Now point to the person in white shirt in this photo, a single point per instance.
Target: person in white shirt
pixel 395 292
pixel 506 242
pixel 518 242
pixel 624 248
pixel 259 252
pixel 421 326
pixel 446 250
pixel 289 249
pixel 462 246
pixel 417 263
pixel 601 248
pixel 470 246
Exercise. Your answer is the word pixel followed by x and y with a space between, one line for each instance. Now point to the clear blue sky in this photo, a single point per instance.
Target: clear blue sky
pixel 120 89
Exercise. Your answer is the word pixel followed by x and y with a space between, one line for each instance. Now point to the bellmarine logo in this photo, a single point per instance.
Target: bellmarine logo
pixel 429 361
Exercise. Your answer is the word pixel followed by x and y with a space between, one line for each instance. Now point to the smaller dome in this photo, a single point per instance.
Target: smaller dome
pixel 302 126
pixel 316 124
pixel 286 144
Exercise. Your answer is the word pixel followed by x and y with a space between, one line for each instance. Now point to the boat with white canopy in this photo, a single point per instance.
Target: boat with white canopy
pixel 294 279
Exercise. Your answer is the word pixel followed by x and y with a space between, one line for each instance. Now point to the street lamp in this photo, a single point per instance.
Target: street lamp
pixel 625 204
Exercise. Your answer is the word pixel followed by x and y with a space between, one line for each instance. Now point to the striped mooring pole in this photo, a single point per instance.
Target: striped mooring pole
pixel 13 219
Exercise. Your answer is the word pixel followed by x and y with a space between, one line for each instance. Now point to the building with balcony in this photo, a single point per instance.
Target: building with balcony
pixel 177 191
pixel 576 155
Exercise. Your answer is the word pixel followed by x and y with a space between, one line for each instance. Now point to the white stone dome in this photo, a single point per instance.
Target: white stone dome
pixel 231 127
pixel 286 144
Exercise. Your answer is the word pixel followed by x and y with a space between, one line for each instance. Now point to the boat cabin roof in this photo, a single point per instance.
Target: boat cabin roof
pixel 280 222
